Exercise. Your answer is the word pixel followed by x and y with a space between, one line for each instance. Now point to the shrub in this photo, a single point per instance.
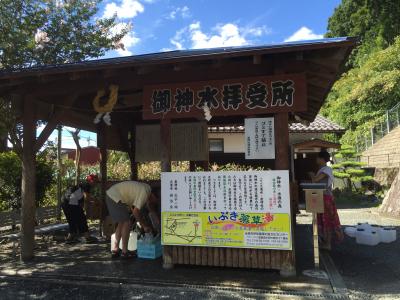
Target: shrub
pixel 11 178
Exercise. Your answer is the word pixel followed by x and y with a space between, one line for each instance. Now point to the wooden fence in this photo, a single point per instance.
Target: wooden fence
pixel 230 257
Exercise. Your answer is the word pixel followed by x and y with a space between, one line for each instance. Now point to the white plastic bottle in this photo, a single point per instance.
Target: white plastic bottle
pixel 132 242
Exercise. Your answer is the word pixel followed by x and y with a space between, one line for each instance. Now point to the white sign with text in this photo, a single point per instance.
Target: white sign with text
pixel 259 138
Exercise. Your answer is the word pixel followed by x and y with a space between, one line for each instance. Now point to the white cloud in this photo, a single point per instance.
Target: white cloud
pixel 222 35
pixel 129 40
pixel 303 34
pixel 227 35
pixel 125 10
pixel 183 12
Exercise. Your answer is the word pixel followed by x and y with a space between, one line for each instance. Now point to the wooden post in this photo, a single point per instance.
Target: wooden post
pixel 103 169
pixel 165 134
pixel 281 141
pixel 59 166
pixel 315 239
pixel 28 188
pixel 282 163
pixel 132 154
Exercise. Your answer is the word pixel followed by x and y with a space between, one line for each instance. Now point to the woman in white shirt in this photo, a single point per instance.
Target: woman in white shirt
pixel 328 223
pixel 130 197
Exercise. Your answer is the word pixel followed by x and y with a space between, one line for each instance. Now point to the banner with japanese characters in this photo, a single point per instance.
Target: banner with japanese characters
pixel 242 96
pixel 249 209
pixel 259 138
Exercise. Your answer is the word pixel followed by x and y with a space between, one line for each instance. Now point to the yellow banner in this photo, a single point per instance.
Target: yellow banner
pixel 230 229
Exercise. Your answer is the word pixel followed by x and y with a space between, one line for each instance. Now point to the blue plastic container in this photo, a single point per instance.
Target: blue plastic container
pixel 147 250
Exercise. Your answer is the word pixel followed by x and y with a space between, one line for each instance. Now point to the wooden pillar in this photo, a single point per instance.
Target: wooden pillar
pixel 282 162
pixel 132 154
pixel 28 188
pixel 102 141
pixel 165 134
pixel 165 145
pixel 59 166
pixel 281 141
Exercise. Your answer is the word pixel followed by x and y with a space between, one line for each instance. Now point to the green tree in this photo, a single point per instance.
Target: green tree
pixel 375 22
pixel 38 32
pixel 360 98
pixel 10 178
pixel 348 168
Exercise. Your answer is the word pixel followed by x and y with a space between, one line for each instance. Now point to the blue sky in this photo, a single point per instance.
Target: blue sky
pixel 163 25
pixel 158 25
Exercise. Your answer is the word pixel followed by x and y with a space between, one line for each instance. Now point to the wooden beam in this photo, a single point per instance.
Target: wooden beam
pixel 53 122
pixel 191 73
pixel 316 66
pixel 28 188
pixel 257 59
pixel 165 135
pixel 46 132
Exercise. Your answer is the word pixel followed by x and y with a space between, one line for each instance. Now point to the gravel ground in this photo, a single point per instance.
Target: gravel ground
pixel 369 272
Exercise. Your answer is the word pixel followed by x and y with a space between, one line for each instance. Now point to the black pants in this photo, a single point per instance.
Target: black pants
pixel 76 218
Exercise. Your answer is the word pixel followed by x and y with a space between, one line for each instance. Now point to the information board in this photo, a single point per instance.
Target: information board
pixel 226 209
pixel 259 138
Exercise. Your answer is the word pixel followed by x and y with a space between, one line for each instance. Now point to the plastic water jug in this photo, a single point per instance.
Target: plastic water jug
pixel 387 234
pixel 365 226
pixel 132 242
pixel 366 237
pixel 350 231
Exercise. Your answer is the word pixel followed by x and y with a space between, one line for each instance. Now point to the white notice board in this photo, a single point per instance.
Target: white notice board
pixel 259 138
pixel 226 209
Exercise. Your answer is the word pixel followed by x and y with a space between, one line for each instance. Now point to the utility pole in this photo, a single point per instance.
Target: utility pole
pixel 59 166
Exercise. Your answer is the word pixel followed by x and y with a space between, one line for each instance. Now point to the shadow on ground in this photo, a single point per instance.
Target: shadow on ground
pixel 90 263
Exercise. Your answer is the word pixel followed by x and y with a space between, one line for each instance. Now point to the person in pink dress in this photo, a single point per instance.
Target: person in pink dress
pixel 329 226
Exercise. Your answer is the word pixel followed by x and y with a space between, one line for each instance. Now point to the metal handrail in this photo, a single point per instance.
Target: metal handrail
pixel 389 121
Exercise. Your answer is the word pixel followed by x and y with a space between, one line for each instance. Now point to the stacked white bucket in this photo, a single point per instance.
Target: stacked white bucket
pixel 367 234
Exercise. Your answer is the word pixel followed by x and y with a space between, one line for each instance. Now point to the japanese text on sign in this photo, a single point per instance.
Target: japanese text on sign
pixel 226 97
pixel 240 209
pixel 259 138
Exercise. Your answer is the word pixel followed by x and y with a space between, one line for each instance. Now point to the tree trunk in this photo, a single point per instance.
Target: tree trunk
pixel 3 144
pixel 391 202
pixel 28 189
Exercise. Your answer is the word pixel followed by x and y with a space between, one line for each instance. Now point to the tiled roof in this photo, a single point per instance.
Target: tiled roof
pixel 319 125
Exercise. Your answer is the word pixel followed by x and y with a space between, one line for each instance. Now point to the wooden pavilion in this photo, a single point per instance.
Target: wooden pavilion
pixel 63 94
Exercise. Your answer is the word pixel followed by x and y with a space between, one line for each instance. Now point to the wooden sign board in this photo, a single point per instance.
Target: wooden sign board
pixel 189 142
pixel 242 96
pixel 315 201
